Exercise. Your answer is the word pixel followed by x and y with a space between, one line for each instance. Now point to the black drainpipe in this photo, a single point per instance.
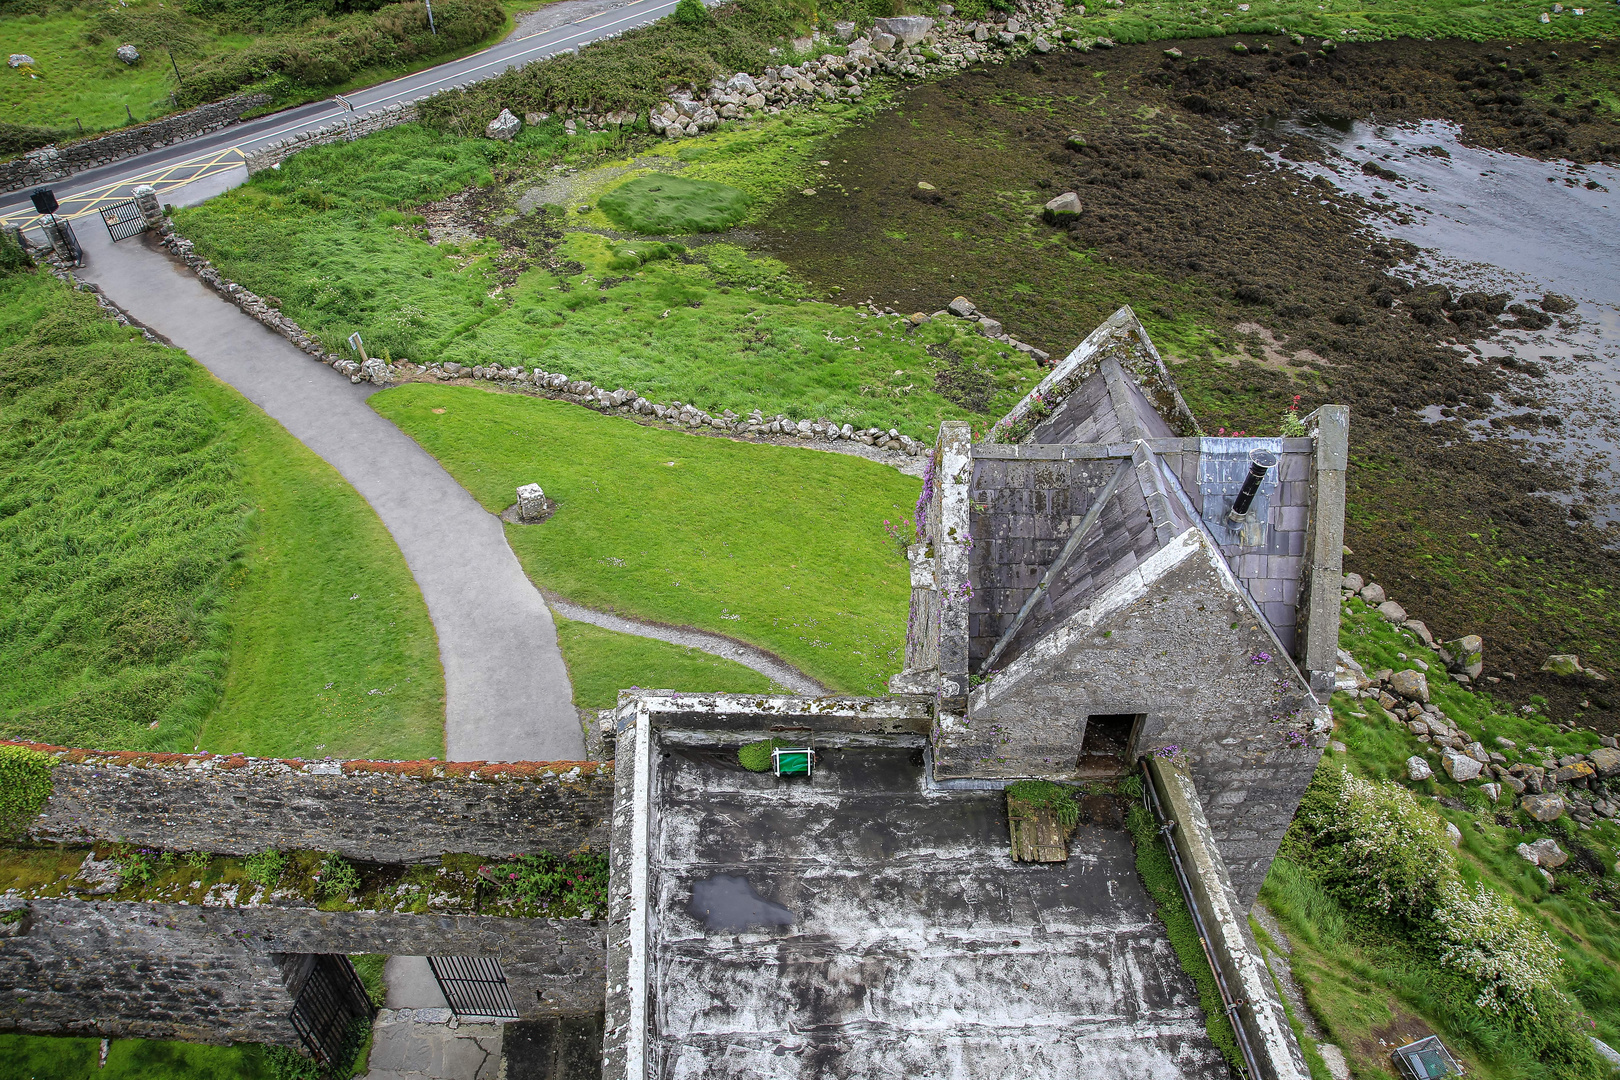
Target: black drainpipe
pixel 1260 463
pixel 1150 796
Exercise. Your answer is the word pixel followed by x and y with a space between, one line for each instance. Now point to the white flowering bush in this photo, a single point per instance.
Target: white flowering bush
pixel 1484 935
pixel 1392 850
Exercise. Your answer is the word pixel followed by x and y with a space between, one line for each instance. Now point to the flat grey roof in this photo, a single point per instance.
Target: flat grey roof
pixel 892 935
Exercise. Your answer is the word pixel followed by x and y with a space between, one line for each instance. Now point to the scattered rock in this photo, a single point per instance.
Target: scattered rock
pixel 1606 761
pixel 1354 582
pixel 883 42
pixel 923 185
pixel 1565 664
pixel 1459 766
pixel 1543 808
pixel 843 31
pixel 1350 675
pixel 504 126
pixel 1453 834
pixel 1544 853
pixel 1576 772
pixel 128 53
pixel 1173 53
pixel 1418 769
pixel 18 59
pixel 909 30
pixel 1409 684
pixel 1392 611
pixel 1464 655
pixel 1338 747
pixel 961 307
pixel 1372 594
pixel 1493 791
pixel 1065 207
pixel 1417 627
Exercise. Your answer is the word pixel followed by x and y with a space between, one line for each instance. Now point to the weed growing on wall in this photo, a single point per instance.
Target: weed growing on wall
pixel 757 756
pixel 266 867
pixel 1030 795
pixel 570 886
pixel 336 878
pixel 25 785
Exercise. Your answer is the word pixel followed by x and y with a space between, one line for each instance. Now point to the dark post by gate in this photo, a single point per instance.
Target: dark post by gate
pixel 123 219
pixel 474 986
pixel 329 1007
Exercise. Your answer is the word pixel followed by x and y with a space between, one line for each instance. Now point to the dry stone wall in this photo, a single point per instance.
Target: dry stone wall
pixel 55 162
pixel 169 971
pixel 388 812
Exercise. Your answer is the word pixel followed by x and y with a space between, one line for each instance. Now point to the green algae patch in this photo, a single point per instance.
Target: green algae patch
pixel 674 205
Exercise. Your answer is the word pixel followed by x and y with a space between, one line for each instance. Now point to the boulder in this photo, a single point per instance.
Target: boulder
pixel 1511 782
pixel 1392 611
pixel 1418 769
pixel 533 118
pixel 742 83
pixel 961 307
pixel 504 126
pixel 1042 45
pixel 1578 772
pixel 989 327
pixel 1066 207
pixel 18 59
pixel 1544 853
pixel 1543 808
pixel 129 54
pixel 1417 627
pixel 1354 582
pixel 1459 766
pixel 1411 685
pixel 1464 655
pixel 907 29
pixel 1453 834
pixel 1606 761
pixel 844 31
pixel 1372 594
pixel 1565 664
pixel 1493 791
pixel 1350 675
pixel 883 43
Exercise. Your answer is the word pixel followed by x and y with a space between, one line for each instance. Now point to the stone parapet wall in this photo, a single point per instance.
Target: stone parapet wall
pixel 350 126
pixel 58 162
pixel 168 971
pixel 376 811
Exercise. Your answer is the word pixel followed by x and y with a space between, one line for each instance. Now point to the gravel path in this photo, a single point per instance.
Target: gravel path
pixel 714 644
pixel 507 692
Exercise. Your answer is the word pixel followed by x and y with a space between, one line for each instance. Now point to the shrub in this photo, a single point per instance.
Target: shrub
pixel 1484 935
pixel 25 784
pixel 137 867
pixel 575 885
pixel 1045 795
pixel 336 878
pixel 21 138
pixel 756 756
pixel 692 13
pixel 1390 851
pixel 266 867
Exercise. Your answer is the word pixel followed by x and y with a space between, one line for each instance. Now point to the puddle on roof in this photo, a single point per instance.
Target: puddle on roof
pixel 724 902
pixel 1499 222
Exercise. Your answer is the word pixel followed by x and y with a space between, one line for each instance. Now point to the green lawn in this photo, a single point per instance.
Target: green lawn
pixel 43 1057
pixel 603 662
pixel 176 569
pixel 1366 976
pixel 779 547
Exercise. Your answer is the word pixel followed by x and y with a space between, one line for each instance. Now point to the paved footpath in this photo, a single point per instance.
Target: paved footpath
pixel 507 690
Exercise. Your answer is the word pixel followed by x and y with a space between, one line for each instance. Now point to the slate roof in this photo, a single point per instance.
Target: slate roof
pixel 1112 404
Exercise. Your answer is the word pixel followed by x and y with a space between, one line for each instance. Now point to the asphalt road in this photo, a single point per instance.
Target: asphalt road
pixel 179 162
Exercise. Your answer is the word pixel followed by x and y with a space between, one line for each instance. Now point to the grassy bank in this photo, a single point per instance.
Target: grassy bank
pixel 41 1057
pixel 779 547
pixel 295 51
pixel 1371 975
pixel 603 662
pixel 554 288
pixel 176 569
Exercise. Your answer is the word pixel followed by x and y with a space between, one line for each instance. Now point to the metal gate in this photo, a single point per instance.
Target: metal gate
pixel 123 219
pixel 331 1004
pixel 474 986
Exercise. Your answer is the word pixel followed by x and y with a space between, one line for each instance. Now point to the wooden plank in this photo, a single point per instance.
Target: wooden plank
pixel 1037 836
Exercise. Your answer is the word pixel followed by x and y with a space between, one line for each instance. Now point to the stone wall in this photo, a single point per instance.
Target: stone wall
pixel 169 971
pixel 350 126
pixel 55 162
pixel 378 811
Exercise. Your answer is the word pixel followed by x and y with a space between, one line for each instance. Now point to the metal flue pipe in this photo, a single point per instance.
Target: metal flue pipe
pixel 1260 463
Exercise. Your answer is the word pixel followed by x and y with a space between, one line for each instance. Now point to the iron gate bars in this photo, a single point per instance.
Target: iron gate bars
pixel 123 219
pixel 333 1000
pixel 474 986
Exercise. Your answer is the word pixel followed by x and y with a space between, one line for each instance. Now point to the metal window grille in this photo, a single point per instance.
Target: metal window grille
pixel 332 1001
pixel 474 986
pixel 123 219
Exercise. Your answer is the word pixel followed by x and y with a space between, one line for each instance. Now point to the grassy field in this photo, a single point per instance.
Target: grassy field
pixel 603 662
pixel 40 1057
pixel 715 326
pixel 176 569
pixel 1369 977
pixel 779 547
